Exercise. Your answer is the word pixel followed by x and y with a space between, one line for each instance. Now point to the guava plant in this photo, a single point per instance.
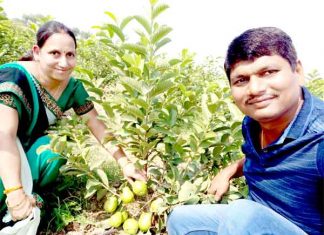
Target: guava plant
pixel 174 118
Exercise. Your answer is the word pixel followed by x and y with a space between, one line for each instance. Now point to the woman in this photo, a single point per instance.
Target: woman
pixel 34 93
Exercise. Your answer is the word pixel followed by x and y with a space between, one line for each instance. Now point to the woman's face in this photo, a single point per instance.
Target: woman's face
pixel 57 57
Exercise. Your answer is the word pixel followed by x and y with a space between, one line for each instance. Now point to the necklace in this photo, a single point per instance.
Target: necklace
pixel 57 92
pixel 47 84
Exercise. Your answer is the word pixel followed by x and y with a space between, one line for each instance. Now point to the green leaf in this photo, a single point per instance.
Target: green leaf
pixel 103 177
pixel 85 71
pixel 152 132
pixel 218 149
pixel 153 2
pixel 204 108
pixel 96 90
pixel 174 62
pixel 132 83
pixel 160 33
pixel 126 21
pixel 162 43
pixel 161 87
pixel 234 196
pixel 91 187
pixel 101 193
pixel 117 31
pixel 225 138
pixel 90 192
pixel 173 115
pixel 142 103
pixel 135 112
pixel 186 191
pixel 92 183
pixel 236 125
pixel 144 22
pixel 206 143
pixel 139 49
pixel 159 9
pixel 136 71
pixel 129 58
pixel 163 130
pixel 108 109
pixel 111 15
pixel 192 200
pixel 86 82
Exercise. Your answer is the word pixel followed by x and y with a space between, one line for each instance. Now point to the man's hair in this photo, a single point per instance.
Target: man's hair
pixel 257 42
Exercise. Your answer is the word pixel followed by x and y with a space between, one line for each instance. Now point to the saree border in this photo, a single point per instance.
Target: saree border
pixel 34 93
pixel 48 100
pixel 14 88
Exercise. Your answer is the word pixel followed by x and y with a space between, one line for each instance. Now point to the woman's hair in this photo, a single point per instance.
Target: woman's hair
pixel 44 32
pixel 257 42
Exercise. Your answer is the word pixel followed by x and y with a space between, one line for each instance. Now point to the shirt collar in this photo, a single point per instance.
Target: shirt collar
pixel 301 121
pixel 296 127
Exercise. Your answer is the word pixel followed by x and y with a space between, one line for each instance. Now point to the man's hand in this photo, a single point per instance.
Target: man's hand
pixel 219 185
pixel 221 182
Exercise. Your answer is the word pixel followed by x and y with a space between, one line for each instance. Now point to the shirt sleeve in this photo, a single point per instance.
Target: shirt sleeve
pixel 81 104
pixel 320 158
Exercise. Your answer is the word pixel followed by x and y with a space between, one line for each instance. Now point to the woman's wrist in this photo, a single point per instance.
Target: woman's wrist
pixel 17 204
pixel 118 154
pixel 114 150
pixel 122 161
pixel 12 189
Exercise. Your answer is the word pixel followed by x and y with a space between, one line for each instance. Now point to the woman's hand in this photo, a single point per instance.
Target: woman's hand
pixel 130 171
pixel 19 204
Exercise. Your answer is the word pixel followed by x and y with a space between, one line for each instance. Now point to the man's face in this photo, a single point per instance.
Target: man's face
pixel 267 89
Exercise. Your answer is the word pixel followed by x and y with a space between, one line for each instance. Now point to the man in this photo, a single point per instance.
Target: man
pixel 284 146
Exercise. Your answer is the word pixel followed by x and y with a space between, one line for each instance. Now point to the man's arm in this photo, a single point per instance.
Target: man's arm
pixel 221 182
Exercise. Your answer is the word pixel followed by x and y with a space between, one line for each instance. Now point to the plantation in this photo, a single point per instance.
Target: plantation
pixel 174 117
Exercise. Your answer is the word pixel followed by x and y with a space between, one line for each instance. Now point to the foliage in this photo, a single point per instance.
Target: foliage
pixel 17 36
pixel 15 40
pixel 34 19
pixel 93 62
pixel 316 84
pixel 174 118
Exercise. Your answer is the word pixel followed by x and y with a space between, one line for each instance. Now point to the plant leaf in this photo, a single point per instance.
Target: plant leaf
pixel 103 177
pixel 162 43
pixel 132 83
pixel 96 90
pixel 135 112
pixel 160 33
pixel 144 22
pixel 125 22
pixel 161 87
pixel 117 31
pixel 139 49
pixel 111 15
pixel 159 9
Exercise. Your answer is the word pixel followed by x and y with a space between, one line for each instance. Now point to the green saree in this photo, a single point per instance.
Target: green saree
pixel 37 109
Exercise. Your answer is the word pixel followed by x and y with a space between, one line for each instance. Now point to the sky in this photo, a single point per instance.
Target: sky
pixel 205 27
